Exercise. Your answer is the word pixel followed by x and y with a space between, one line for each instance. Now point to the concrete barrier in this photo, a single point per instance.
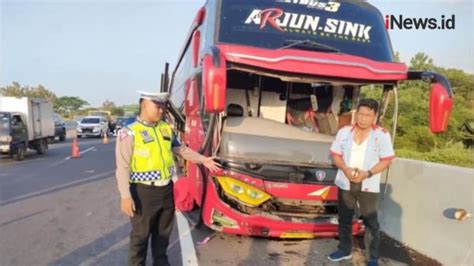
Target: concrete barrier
pixel 418 209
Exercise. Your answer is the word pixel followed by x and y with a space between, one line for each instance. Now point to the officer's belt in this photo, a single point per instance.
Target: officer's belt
pixel 157 183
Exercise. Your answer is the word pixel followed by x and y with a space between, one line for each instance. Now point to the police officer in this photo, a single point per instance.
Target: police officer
pixel 145 166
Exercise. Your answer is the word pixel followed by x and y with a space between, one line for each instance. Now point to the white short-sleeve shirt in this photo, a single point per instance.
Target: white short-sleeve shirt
pixel 378 147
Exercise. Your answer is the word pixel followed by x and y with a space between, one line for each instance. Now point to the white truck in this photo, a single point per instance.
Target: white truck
pixel 25 123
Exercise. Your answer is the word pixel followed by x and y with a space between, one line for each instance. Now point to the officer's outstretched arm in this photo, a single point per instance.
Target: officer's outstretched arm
pixel 192 156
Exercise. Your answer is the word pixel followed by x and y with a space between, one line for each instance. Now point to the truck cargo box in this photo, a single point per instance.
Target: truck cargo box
pixel 37 112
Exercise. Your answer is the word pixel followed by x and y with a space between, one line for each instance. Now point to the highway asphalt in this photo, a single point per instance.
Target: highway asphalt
pixel 55 210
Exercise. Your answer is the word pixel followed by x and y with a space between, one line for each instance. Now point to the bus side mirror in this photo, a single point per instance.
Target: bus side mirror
pixel 441 105
pixel 214 82
pixel 441 98
pixel 200 16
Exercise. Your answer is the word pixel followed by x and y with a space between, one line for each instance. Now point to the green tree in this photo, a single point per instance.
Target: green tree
pixel 112 108
pixel 108 105
pixel 16 90
pixel 42 92
pixel 70 104
pixel 414 139
pixel 118 111
pixel 421 62
pixel 396 57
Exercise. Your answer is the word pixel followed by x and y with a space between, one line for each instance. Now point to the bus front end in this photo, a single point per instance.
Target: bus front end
pixel 273 83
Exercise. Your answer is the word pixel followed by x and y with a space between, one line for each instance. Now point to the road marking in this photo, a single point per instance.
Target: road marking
pixel 171 245
pixel 82 152
pixel 44 191
pixel 69 157
pixel 188 253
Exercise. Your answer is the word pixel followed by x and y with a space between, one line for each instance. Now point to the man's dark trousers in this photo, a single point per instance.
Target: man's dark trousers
pixel 153 217
pixel 368 203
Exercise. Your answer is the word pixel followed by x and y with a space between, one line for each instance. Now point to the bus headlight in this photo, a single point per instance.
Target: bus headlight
pixel 243 192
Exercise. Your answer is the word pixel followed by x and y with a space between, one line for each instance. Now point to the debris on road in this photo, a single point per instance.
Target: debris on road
pixel 461 214
pixel 205 240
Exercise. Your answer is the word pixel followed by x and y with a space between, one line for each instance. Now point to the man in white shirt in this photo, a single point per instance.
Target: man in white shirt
pixel 361 152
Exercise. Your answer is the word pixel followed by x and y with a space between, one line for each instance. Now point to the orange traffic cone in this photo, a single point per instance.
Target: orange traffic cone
pixel 106 139
pixel 75 153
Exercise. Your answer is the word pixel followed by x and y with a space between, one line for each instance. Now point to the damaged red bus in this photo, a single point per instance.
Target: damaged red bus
pixel 264 86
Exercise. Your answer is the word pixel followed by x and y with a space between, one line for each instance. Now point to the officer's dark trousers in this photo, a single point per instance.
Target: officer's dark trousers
pixel 154 217
pixel 368 209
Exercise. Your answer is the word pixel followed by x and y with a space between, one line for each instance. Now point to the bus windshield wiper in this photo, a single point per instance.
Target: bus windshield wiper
pixel 309 45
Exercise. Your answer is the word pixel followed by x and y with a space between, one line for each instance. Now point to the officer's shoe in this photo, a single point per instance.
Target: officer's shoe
pixel 339 255
pixel 373 263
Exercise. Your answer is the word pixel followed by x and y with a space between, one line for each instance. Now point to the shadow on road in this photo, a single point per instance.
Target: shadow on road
pixel 98 246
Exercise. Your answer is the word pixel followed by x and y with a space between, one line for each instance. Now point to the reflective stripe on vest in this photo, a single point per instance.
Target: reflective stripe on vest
pixel 152 158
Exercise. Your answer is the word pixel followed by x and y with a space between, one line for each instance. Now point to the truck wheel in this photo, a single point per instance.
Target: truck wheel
pixel 62 137
pixel 42 146
pixel 20 153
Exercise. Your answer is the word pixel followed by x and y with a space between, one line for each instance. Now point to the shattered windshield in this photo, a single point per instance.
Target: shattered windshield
pixel 312 107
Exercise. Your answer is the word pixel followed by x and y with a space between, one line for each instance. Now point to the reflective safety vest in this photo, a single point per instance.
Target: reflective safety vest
pixel 152 157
